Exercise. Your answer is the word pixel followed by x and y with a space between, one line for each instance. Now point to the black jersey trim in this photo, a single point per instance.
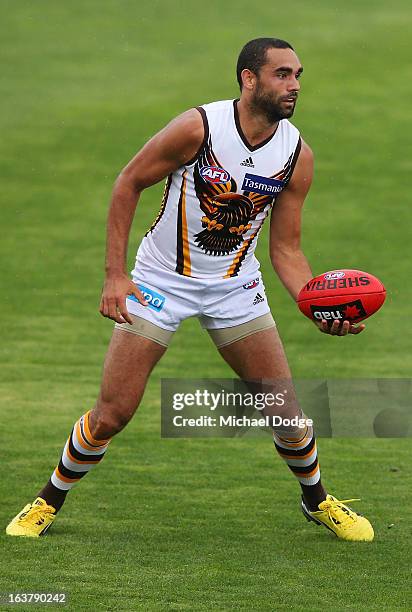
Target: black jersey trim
pixel 243 255
pixel 165 197
pixel 294 159
pixel 243 137
pixel 183 265
pixel 205 136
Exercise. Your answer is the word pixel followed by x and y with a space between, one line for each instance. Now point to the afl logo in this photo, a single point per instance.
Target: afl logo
pixel 251 284
pixel 334 275
pixel 214 174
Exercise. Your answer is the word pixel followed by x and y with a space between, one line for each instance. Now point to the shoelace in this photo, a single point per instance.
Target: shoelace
pixel 336 513
pixel 33 514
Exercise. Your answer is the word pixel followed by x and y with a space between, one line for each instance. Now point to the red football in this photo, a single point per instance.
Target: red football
pixel 349 295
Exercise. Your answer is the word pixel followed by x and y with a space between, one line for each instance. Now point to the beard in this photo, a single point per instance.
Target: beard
pixel 264 103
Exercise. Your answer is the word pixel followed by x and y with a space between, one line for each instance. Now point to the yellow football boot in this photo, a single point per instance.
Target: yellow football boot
pixel 344 522
pixel 33 520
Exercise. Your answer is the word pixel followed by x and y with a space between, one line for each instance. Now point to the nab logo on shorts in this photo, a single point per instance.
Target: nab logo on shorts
pixel 214 174
pixel 262 184
pixel 154 300
pixel 251 284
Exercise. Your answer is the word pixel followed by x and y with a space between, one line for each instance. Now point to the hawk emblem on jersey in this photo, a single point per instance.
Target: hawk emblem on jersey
pixel 226 213
pixel 225 223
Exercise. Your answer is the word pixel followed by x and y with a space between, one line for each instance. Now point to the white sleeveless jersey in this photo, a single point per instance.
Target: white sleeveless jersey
pixel 214 207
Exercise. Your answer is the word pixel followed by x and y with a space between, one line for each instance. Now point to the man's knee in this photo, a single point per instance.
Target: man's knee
pixel 108 418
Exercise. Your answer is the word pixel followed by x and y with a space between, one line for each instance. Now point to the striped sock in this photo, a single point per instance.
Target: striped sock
pixel 301 456
pixel 80 454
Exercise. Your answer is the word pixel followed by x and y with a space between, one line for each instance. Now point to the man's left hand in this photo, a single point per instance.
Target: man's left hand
pixel 339 329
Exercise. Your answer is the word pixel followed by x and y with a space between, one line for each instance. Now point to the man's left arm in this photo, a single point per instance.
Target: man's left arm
pixel 286 254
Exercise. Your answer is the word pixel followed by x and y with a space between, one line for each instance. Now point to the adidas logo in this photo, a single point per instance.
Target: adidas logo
pixel 258 299
pixel 248 162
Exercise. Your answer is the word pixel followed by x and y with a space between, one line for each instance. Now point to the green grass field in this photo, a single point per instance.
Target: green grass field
pixel 194 524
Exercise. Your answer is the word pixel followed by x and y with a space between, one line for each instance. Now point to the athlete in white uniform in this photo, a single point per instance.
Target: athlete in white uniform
pixel 213 209
pixel 228 165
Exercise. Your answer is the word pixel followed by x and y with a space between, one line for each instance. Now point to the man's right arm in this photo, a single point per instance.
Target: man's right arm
pixel 171 148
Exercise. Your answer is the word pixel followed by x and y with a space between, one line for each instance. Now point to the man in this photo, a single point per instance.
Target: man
pixel 227 164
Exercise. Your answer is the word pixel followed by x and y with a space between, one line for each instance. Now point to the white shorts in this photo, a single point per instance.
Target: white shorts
pixel 218 303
